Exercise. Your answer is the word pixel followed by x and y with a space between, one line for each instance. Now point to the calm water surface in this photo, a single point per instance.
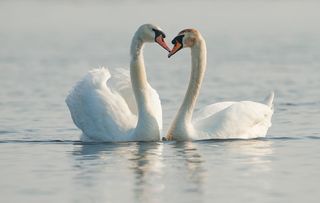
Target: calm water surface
pixel 46 46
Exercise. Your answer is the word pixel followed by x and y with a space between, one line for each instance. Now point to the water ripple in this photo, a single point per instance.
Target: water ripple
pixel 175 144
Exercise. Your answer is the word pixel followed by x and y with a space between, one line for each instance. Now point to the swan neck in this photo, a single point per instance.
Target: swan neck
pixel 138 76
pixel 198 61
pixel 136 46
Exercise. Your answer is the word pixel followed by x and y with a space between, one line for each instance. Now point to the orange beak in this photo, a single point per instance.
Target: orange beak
pixel 175 49
pixel 162 43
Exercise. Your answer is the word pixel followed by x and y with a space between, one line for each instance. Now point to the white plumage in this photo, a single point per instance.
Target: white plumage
pixel 238 120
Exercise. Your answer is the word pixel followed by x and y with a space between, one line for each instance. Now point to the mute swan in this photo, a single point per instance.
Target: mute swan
pixel 225 120
pixel 108 108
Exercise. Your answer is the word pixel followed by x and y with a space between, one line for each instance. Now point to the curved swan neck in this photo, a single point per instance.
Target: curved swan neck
pixel 147 125
pixel 138 72
pixel 136 46
pixel 198 61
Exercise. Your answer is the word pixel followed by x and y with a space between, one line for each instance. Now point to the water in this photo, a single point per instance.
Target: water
pixel 254 47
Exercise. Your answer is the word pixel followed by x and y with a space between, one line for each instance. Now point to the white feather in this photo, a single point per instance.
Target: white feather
pixel 101 113
pixel 238 120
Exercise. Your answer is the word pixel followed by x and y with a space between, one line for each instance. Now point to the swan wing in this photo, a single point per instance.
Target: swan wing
pixel 209 110
pixel 101 112
pixel 156 105
pixel 121 83
pixel 233 120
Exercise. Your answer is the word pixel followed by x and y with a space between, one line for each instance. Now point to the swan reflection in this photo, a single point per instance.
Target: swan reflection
pixel 254 154
pixel 110 169
pixel 147 165
pixel 192 173
pixel 192 161
pixel 147 172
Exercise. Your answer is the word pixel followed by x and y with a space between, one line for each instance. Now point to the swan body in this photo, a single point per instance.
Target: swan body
pixel 119 107
pixel 225 120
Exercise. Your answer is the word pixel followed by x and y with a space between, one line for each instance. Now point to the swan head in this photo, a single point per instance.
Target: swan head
pixel 152 33
pixel 185 38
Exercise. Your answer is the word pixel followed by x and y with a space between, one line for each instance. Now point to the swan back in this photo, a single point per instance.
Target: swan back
pixel 240 120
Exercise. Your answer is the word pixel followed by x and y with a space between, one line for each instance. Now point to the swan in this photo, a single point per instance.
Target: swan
pixel 225 120
pixel 118 107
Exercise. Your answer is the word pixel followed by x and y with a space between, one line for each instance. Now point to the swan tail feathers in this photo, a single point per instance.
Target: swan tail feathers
pixel 269 100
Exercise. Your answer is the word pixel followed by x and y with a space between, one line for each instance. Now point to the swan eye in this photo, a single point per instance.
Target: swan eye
pixel 158 33
pixel 177 39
